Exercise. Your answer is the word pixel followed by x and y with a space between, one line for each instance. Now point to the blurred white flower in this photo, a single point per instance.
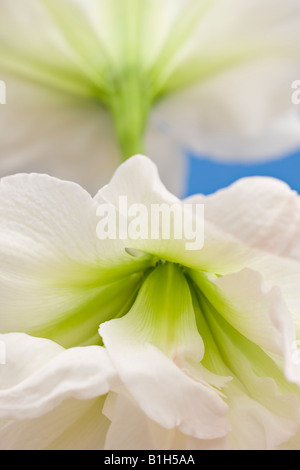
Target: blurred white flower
pixel 212 76
pixel 196 348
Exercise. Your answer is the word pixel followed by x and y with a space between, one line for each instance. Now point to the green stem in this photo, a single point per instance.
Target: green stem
pixel 130 106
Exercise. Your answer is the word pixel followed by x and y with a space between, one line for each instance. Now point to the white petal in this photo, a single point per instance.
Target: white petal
pixel 266 219
pixel 53 265
pixel 256 311
pixel 53 121
pixel 263 413
pixel 222 253
pixel 39 375
pixel 262 212
pixel 137 179
pixel 159 319
pixel 263 405
pixel 132 429
pixel 246 54
pixel 211 128
pixel 47 132
pixel 75 56
pixel 159 387
pixel 73 425
pixel 291 444
pixel 166 152
pixel 255 427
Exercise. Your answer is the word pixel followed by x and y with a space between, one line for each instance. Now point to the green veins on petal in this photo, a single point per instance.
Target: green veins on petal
pixel 163 313
pixel 78 325
pixel 178 310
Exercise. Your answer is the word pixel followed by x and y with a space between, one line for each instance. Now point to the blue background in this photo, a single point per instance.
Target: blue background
pixel 207 176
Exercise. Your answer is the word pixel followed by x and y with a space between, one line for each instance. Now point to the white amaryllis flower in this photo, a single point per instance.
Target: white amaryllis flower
pixel 212 76
pixel 196 349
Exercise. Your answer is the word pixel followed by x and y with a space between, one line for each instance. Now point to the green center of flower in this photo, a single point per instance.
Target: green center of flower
pixel 163 312
pixel 177 309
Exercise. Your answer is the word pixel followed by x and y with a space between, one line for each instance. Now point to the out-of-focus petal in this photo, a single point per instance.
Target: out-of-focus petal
pixel 168 154
pixel 48 132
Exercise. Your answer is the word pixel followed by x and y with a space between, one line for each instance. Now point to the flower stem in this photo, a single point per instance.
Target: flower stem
pixel 130 106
